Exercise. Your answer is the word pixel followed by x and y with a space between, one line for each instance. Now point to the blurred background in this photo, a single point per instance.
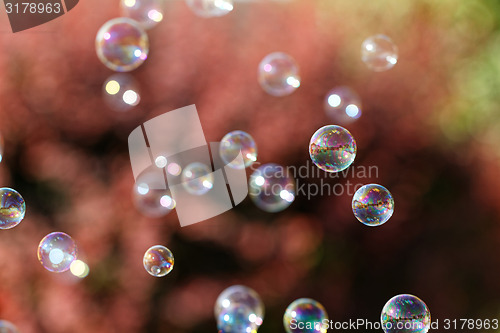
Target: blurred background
pixel 431 126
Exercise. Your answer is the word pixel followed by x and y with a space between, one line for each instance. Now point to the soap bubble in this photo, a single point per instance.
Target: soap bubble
pixel 305 315
pixel 147 12
pixel 12 208
pixel 279 74
pixel 150 194
pixel 210 8
pixel 121 92
pixel 372 204
pixel 237 318
pixel 158 261
pixel 197 178
pixel 122 44
pixel 232 143
pixel 332 148
pixel 379 53
pixel 231 298
pixel 271 188
pixel 342 105
pixel 7 327
pixel 405 314
pixel 56 252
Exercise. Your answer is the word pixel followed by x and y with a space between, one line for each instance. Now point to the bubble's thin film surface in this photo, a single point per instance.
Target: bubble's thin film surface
pixel 234 142
pixel 307 311
pixel 151 196
pixel 342 105
pixel 240 299
pixel 121 92
pixel 210 8
pixel 332 148
pixel 122 44
pixel 197 178
pixel 147 13
pixel 158 261
pixel 379 53
pixel 7 327
pixel 373 204
pixel 57 251
pixel 278 74
pixel 271 188
pixel 237 318
pixel 405 314
pixel 12 208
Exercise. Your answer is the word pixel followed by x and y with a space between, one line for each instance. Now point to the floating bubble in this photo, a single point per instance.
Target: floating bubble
pixel 305 315
pixel 56 252
pixel 197 178
pixel 121 92
pixel 158 261
pixel 234 142
pixel 271 188
pixel 372 204
pixel 279 74
pixel 122 44
pixel 379 53
pixel 332 148
pixel 7 327
pixel 210 8
pixel 237 300
pixel 147 12
pixel 12 208
pixel 151 195
pixel 342 105
pixel 405 314
pixel 237 318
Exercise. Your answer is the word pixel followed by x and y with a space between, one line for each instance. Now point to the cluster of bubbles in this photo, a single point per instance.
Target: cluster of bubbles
pixel 239 309
pixel 271 188
pixel 158 261
pixel 57 251
pixel 405 314
pixel 305 315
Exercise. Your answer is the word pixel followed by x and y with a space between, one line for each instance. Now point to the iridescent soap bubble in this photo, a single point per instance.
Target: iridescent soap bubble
pixel 56 252
pixel 279 74
pixel 372 204
pixel 405 314
pixel 342 105
pixel 332 148
pixel 12 208
pixel 151 195
pixel 147 12
pixel 237 318
pixel 210 8
pixel 158 261
pixel 122 44
pixel 7 327
pixel 271 188
pixel 379 53
pixel 197 178
pixel 121 92
pixel 305 315
pixel 237 300
pixel 234 142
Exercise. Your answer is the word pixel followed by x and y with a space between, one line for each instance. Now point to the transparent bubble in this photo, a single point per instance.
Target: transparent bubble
pixel 237 318
pixel 372 204
pixel 147 12
pixel 122 44
pixel 12 208
pixel 150 194
pixel 121 92
pixel 271 188
pixel 56 252
pixel 240 299
pixel 7 327
pixel 197 178
pixel 379 53
pixel 232 143
pixel 332 148
pixel 158 261
pixel 210 8
pixel 279 74
pixel 405 314
pixel 305 315
pixel 342 105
